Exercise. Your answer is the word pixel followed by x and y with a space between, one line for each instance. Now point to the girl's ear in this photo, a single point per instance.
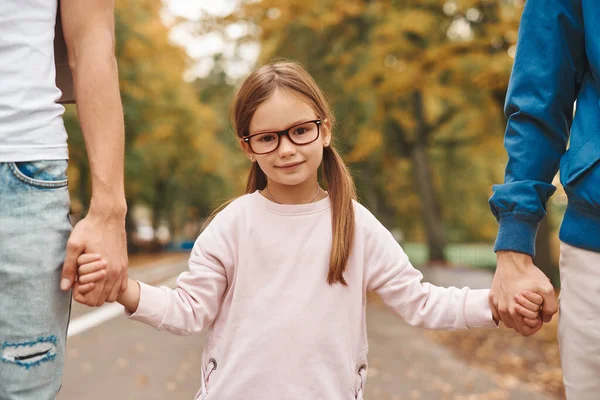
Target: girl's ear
pixel 247 150
pixel 326 134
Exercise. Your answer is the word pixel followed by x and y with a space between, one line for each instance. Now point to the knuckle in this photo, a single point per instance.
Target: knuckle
pixel 73 244
pixel 551 312
pixel 547 289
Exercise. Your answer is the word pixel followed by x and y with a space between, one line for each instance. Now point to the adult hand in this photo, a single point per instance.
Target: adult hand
pixel 103 234
pixel 516 274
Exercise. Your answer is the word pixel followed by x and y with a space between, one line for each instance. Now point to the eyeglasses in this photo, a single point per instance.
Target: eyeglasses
pixel 299 134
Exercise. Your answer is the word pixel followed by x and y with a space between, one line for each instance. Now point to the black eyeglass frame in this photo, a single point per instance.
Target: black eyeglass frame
pixel 286 132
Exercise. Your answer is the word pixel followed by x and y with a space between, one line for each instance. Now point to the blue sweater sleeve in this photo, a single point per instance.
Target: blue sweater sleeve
pixel 543 86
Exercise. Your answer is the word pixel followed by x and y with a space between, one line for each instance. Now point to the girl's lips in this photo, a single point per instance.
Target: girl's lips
pixel 289 167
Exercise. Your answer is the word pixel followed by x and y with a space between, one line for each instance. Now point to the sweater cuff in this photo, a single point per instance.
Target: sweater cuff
pixel 478 313
pixel 517 233
pixel 151 308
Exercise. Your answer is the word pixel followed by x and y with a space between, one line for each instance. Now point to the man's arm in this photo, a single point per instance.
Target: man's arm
pixel 88 27
pixel 544 84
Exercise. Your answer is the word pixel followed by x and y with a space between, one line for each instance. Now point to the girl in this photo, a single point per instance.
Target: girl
pixel 279 277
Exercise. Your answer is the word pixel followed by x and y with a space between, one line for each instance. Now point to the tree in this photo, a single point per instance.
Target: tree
pixel 174 157
pixel 415 84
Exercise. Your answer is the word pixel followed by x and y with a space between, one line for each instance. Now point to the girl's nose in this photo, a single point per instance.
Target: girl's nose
pixel 286 147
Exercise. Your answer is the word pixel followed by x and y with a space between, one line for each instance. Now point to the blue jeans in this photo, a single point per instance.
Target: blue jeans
pixel 34 312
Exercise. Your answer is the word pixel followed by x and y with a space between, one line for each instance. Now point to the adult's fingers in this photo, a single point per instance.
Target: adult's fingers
pixel 532 323
pixel 519 325
pixel 69 270
pixel 111 279
pixel 493 303
pixel 77 294
pixel 528 331
pixel 92 297
pixel 505 314
pixel 79 298
pixel 550 306
pixel 495 312
pixel 112 297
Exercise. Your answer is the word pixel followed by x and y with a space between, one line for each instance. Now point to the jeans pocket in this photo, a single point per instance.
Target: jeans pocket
pixel 46 174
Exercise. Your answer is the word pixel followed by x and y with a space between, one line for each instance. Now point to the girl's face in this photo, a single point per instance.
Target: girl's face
pixel 290 164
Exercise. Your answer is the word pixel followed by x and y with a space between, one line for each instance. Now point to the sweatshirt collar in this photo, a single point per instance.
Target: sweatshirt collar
pixel 292 209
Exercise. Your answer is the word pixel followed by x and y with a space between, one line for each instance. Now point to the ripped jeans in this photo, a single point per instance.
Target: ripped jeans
pixel 34 312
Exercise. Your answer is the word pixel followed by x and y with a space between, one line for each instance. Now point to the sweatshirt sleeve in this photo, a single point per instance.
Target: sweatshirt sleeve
pixel 547 74
pixel 391 275
pixel 196 300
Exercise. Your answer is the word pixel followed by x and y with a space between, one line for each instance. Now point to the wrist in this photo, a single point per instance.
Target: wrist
pixel 513 255
pixel 130 298
pixel 511 259
pixel 114 207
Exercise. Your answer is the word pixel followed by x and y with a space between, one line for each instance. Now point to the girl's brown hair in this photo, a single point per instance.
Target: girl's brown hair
pixel 291 76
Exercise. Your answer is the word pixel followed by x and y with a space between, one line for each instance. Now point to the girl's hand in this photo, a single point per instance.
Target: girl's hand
pixel 529 306
pixel 91 269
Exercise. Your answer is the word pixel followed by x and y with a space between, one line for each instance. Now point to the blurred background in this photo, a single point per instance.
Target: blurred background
pixel 418 89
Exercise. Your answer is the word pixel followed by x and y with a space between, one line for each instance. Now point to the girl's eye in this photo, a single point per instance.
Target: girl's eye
pixel 266 138
pixel 300 131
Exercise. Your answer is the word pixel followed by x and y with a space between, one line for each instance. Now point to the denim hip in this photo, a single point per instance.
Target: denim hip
pixel 34 312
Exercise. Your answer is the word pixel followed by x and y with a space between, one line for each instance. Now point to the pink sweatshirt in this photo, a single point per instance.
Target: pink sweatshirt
pixel 276 329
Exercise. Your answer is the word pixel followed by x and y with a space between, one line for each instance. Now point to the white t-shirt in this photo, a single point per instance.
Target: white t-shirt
pixel 31 124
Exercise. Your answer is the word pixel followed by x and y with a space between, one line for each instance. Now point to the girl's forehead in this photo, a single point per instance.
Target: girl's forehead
pixel 281 110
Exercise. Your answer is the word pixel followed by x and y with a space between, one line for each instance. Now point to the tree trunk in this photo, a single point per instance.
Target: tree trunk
pixel 129 230
pixel 544 258
pixel 368 180
pixel 159 207
pixel 432 219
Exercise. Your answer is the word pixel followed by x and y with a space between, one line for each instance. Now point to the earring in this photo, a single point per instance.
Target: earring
pixel 251 158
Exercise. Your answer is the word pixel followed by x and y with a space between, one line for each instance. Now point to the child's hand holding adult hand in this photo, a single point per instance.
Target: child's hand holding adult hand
pixel 91 269
pixel 529 306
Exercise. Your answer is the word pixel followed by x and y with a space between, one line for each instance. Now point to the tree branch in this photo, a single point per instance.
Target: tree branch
pixel 447 116
pixel 451 143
